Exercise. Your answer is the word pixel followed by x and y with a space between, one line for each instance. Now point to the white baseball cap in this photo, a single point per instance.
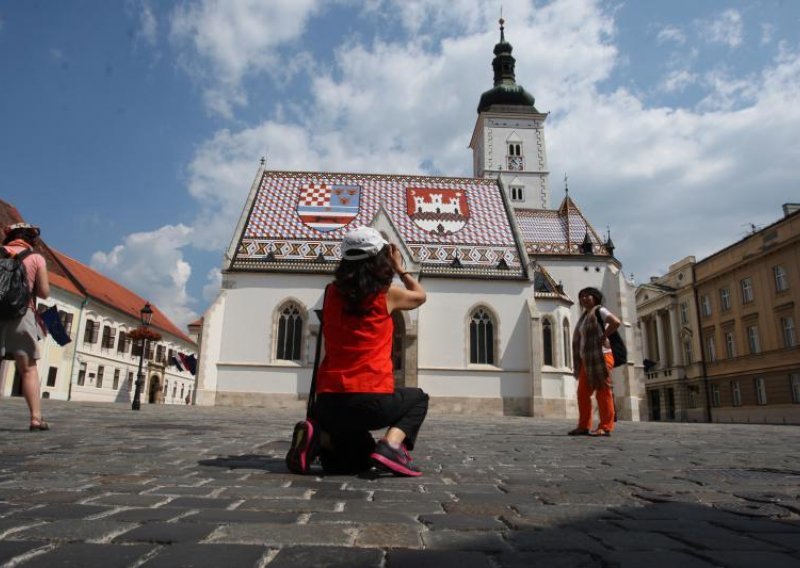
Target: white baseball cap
pixel 362 243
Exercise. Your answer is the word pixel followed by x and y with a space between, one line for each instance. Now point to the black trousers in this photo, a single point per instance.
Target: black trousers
pixel 341 413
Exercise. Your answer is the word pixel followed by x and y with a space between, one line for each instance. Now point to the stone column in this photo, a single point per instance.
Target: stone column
pixel 673 328
pixel 663 363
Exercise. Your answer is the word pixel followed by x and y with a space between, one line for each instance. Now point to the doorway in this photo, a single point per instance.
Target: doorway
pixel 655 405
pixel 155 389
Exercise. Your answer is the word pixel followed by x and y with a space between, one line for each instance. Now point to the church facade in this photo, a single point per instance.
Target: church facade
pixel 501 268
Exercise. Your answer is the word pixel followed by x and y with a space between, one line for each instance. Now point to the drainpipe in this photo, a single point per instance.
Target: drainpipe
pixel 702 347
pixel 75 350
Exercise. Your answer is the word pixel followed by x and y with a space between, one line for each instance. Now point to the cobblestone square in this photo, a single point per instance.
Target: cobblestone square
pixel 195 486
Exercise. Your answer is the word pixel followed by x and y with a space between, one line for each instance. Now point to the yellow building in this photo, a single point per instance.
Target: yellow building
pixel 719 335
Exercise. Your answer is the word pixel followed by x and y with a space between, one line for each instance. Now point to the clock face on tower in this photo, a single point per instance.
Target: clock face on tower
pixel 515 163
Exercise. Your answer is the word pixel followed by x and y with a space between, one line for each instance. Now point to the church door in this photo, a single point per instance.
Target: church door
pixel 399 350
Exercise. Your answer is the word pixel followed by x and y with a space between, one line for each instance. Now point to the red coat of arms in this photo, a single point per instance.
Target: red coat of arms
pixel 437 211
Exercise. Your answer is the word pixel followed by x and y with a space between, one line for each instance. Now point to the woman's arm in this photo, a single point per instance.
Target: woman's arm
pixel 612 323
pixel 413 296
pixel 41 284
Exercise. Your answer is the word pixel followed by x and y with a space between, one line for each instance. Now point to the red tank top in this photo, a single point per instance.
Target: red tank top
pixel 358 348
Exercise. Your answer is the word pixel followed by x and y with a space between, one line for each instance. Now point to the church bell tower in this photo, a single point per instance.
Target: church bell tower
pixel 508 140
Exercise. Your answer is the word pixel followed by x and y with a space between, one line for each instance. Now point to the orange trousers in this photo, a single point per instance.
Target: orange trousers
pixel 604 396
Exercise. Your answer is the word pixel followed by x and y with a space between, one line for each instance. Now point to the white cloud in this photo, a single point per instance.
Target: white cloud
pixel 670 181
pixel 147 23
pixel 222 42
pixel 677 80
pixel 152 265
pixel 671 34
pixel 767 33
pixel 725 29
pixel 213 284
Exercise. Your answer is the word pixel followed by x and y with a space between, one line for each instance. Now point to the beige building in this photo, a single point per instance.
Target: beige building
pixel 671 346
pixel 720 335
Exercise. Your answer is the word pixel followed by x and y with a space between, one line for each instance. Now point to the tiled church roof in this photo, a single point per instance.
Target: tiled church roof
pixel 452 226
pixel 558 232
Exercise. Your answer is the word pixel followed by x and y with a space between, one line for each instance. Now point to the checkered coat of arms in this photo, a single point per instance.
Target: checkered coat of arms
pixel 327 207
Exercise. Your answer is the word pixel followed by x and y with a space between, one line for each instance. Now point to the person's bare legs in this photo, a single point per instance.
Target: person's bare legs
pixel 29 375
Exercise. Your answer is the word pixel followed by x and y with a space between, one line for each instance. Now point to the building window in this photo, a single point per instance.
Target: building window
pixel 91 331
pixel 290 333
pixel 747 290
pixel 100 371
pixel 684 313
pixel 789 337
pixel 116 379
pixel 514 159
pixel 160 353
pixel 517 193
pixel 130 381
pixel 687 352
pixel 51 376
pixel 547 341
pixel 715 399
pixel 711 352
pixel 730 345
pixel 82 375
pixel 725 299
pixel 174 389
pixel 136 349
pixel 108 337
pixel 481 338
pixel 567 344
pixel 752 339
pixel 794 385
pixel 705 305
pixel 781 279
pixel 736 393
pixel 66 321
pixel 123 342
pixel 761 390
pixel 693 394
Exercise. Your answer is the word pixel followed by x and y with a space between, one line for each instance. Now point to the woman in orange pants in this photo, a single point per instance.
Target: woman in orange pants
pixel 593 361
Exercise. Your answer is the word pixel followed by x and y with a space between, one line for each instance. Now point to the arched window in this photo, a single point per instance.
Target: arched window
pixel 481 337
pixel 567 344
pixel 547 341
pixel 290 333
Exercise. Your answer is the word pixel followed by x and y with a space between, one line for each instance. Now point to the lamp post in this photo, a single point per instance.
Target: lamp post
pixel 146 316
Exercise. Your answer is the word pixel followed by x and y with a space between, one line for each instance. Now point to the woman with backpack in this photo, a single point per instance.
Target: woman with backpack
pixel 355 390
pixel 19 335
pixel 593 361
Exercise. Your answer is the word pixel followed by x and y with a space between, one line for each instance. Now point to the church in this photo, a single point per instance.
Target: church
pixel 502 271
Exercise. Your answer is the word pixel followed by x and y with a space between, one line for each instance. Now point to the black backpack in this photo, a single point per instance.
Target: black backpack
pixel 14 293
pixel 618 348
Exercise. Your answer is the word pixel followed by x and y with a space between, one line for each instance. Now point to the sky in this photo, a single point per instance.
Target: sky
pixel 132 130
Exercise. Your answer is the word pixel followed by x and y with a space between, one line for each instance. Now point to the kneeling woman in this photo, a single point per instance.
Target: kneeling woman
pixel 355 383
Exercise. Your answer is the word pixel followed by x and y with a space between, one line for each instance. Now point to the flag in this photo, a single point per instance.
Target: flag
pixel 191 360
pixel 54 326
pixel 174 361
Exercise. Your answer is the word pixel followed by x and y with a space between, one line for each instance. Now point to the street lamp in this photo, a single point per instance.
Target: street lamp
pixel 146 316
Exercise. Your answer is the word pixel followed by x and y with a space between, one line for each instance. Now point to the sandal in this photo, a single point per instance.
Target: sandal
pixel 578 432
pixel 600 432
pixel 39 424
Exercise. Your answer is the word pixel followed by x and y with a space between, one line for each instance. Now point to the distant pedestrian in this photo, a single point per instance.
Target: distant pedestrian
pixel 593 362
pixel 355 389
pixel 19 336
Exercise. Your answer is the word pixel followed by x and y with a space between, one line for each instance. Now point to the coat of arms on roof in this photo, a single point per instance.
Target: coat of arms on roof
pixel 437 211
pixel 327 207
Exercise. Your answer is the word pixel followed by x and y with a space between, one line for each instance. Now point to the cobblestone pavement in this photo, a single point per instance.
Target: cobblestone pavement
pixel 191 486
